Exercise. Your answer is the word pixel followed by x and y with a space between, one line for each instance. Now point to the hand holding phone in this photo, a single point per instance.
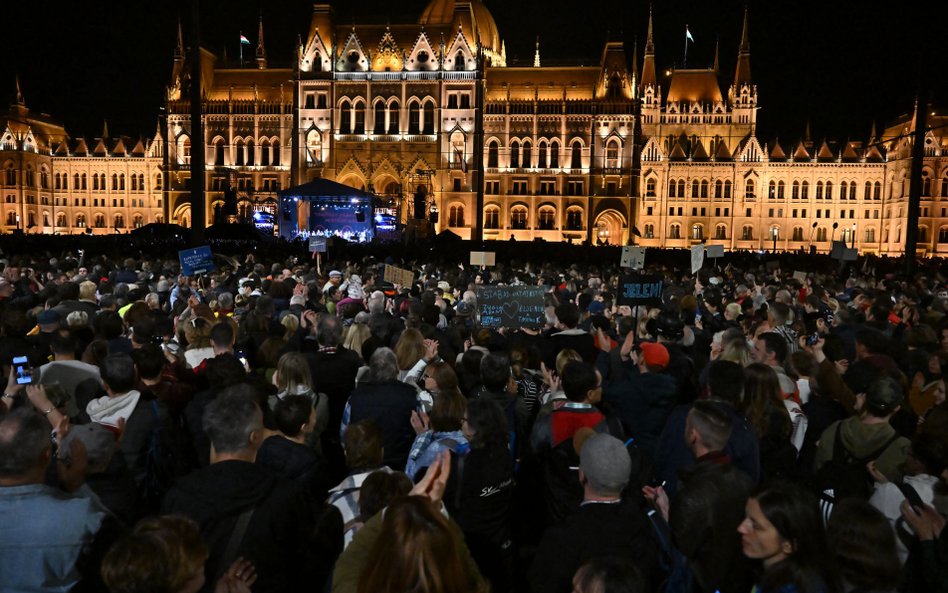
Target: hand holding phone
pixel 21 367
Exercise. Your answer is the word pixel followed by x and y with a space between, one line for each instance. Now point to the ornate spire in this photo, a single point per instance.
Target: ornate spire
pixel 873 136
pixel 261 50
pixel 179 48
pixel 635 64
pixel 806 132
pixel 648 66
pixel 19 92
pixel 536 56
pixel 742 74
pixel 717 62
pixel 105 129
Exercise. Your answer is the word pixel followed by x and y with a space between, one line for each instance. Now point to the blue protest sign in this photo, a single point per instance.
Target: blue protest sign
pixel 196 261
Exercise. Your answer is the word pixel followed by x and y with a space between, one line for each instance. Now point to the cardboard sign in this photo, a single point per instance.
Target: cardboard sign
pixel 850 254
pixel 511 306
pixel 483 258
pixel 403 278
pixel 632 257
pixel 317 244
pixel 801 276
pixel 196 261
pixel 640 290
pixel 714 251
pixel 697 257
pixel 839 250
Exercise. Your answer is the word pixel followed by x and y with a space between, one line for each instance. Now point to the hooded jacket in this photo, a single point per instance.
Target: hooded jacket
pixel 278 536
pixel 862 439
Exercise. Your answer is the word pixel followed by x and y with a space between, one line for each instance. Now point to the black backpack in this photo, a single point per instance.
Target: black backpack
pixel 162 465
pixel 845 475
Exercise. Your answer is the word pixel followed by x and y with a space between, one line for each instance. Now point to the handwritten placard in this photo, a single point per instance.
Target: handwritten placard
pixel 697 257
pixel 317 244
pixel 714 251
pixel 403 278
pixel 198 260
pixel 511 306
pixel 483 258
pixel 632 257
pixel 640 290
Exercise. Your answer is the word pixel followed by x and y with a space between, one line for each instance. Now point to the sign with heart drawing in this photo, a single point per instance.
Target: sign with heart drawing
pixel 511 306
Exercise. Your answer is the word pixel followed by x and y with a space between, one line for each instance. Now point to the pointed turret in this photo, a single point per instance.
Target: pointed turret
pixel 873 136
pixel 648 66
pixel 635 67
pixel 806 132
pixel 742 74
pixel 536 56
pixel 261 50
pixel 19 92
pixel 717 61
pixel 179 46
pixel 105 129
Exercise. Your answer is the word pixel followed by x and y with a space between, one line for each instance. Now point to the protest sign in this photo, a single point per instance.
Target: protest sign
pixel 511 306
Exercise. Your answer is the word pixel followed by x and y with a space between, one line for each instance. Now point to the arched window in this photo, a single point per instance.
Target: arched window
pixel 718 186
pixel 546 220
pixel 184 146
pixel 805 190
pixel 612 154
pixel 518 217
pixel 697 232
pixel 943 234
pixel 795 191
pixel 576 156
pixel 83 181
pixel 514 155
pixel 720 232
pixel 650 231
pixel 674 231
pixel 251 153
pixel 459 61
pixel 61 219
pixel 772 190
pixel 704 188
pixel 555 157
pixel 427 119
pixel 781 187
pixel 414 118
pixel 138 221
pixel 275 152
pixel 100 221
pixel 877 190
pixel 122 182
pixel 867 193
pixel 821 235
pixel 95 182
pixel 747 233
pixel 672 187
pixel 797 234
pixel 219 152
pixel 393 118
pixel 681 188
pixel 157 181
pixel 10 178
pixel 527 155
pixel 75 181
pixel 239 152
pixel 650 187
pixel 345 117
pixel 314 147
pixel 358 108
pixel 749 189
pixel 727 189
pixel 378 126
pixel 926 184
pixel 574 219
pixel 265 152
pixel 492 217
pixel 458 149
pixel 119 221
pixel 541 155
pixel 11 218
pixel 829 190
pixel 134 186
pixel 456 215
pixel 57 180
pixel 870 236
pixel 80 220
pixel 843 186
pixel 493 154
pixel 695 188
pixel 852 190
pixel 819 190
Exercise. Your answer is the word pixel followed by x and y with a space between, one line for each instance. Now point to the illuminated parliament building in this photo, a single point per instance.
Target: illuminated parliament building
pixel 389 108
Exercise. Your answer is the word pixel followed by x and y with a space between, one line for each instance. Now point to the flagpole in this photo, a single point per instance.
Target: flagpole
pixel 685 62
pixel 241 44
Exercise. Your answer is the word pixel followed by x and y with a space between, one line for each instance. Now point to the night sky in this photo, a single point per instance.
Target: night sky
pixel 839 64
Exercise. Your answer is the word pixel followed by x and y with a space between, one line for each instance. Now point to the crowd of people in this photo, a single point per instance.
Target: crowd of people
pixel 297 425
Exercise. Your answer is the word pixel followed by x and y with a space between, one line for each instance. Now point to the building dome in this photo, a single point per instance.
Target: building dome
pixel 440 13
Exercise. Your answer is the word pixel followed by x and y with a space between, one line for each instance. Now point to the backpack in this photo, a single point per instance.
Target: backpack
pixel 161 466
pixel 845 475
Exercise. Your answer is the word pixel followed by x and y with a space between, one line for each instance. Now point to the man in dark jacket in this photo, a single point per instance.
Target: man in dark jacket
pixel 644 397
pixel 568 336
pixel 244 510
pixel 605 525
pixel 710 504
pixel 725 384
pixel 387 401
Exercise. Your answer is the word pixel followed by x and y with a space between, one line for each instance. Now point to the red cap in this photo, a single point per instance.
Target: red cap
pixel 654 354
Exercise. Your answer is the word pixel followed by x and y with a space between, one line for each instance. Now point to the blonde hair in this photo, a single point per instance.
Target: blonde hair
pixel 357 334
pixel 87 290
pixel 409 349
pixel 564 357
pixel 293 372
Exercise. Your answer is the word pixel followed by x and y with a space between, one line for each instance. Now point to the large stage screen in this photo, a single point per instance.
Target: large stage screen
pixel 351 221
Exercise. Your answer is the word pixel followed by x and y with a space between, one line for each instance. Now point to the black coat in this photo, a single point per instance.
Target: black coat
pixel 296 462
pixel 334 374
pixel 390 405
pixel 595 530
pixel 278 537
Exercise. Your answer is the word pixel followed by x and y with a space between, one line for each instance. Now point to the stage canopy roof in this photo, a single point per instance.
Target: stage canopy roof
pixel 324 188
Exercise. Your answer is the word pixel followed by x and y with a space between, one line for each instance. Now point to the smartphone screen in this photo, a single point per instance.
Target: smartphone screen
pixel 21 366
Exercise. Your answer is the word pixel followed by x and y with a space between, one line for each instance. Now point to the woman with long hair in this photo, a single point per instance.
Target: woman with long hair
pixel 293 377
pixel 438 431
pixel 764 408
pixel 863 546
pixel 197 333
pixel 783 529
pixel 357 334
pixel 413 353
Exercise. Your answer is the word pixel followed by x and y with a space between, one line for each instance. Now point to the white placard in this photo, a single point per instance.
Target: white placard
pixel 632 257
pixel 697 257
pixel 483 258
pixel 714 251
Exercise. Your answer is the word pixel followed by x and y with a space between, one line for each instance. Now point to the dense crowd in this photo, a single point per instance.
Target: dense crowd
pixel 299 425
